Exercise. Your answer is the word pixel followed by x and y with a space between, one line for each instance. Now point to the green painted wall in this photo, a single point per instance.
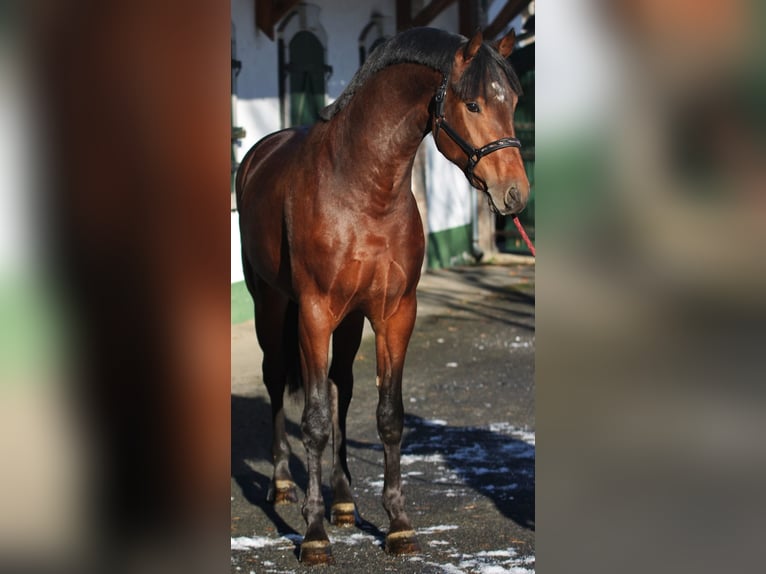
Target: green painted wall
pixel 449 247
pixel 241 303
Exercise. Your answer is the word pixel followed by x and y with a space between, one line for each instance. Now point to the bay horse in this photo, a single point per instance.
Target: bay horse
pixel 331 234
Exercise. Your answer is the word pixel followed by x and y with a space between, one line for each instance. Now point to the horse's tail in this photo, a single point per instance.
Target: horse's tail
pixel 291 350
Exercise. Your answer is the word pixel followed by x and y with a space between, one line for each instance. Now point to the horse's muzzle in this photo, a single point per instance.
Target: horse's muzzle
pixel 514 200
pixel 511 201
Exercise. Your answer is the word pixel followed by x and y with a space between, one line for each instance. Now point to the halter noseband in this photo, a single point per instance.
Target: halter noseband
pixel 474 154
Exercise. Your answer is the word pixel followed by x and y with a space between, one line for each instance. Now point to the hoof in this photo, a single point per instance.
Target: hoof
pixel 402 542
pixel 283 492
pixel 343 514
pixel 316 552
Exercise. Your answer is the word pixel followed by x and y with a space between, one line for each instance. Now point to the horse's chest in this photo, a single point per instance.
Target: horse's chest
pixel 374 284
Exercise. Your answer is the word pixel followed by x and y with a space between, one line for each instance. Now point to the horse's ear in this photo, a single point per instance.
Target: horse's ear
pixel 472 47
pixel 505 46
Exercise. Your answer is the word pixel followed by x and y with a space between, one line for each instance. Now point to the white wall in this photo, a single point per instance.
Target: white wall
pixel 257 85
pixel 448 192
pixel 257 90
pixel 236 253
pixel 343 22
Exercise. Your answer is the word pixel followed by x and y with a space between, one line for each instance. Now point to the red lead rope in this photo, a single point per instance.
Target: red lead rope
pixel 524 235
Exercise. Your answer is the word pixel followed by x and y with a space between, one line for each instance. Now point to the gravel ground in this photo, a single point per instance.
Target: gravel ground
pixel 468 451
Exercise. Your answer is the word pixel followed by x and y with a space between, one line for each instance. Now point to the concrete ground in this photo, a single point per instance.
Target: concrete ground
pixel 468 450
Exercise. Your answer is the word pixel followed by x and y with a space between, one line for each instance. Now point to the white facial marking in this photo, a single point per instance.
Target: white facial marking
pixel 499 91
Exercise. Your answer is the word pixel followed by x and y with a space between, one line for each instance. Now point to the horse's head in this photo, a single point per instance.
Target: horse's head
pixel 472 122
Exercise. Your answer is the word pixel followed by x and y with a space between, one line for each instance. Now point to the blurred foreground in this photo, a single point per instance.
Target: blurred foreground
pixel 114 285
pixel 651 280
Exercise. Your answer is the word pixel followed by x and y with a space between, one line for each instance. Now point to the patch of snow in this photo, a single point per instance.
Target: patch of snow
pixel 250 542
pixel 353 539
pixel 497 553
pixel 436 422
pixel 505 561
pixel 438 528
pixel 505 428
pixel 430 458
pixel 448 568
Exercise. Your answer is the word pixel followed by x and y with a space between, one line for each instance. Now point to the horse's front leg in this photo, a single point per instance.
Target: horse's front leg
pixel 314 329
pixel 391 342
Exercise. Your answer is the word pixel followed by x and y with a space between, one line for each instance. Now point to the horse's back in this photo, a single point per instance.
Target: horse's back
pixel 259 158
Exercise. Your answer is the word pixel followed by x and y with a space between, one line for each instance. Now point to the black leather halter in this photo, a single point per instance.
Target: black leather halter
pixel 474 154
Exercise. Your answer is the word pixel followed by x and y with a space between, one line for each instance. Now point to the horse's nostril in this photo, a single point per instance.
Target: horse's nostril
pixel 512 196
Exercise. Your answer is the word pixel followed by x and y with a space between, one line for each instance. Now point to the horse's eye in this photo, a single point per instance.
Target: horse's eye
pixel 473 107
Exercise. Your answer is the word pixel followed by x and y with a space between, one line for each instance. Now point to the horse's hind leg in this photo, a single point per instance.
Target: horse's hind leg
pixel 345 344
pixel 275 317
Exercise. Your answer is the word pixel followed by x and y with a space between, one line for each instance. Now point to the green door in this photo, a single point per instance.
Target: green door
pixel 307 79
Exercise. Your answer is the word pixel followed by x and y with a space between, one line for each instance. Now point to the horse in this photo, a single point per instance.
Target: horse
pixel 331 235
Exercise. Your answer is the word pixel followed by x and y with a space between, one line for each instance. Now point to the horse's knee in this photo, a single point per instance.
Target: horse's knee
pixel 390 416
pixel 389 435
pixel 316 425
pixel 390 423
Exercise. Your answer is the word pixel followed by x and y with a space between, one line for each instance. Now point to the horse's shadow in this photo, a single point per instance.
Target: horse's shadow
pixel 251 441
pixel 490 462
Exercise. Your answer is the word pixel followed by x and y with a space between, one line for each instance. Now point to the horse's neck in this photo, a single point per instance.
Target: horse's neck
pixel 384 124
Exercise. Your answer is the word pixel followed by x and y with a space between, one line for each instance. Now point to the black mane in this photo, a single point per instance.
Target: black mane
pixel 436 49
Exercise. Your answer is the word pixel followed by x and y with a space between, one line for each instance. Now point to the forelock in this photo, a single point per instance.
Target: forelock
pixel 486 67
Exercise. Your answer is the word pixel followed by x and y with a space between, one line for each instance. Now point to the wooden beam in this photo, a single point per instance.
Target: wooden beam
pixel 269 12
pixel 468 17
pixel 511 9
pixel 263 17
pixel 403 15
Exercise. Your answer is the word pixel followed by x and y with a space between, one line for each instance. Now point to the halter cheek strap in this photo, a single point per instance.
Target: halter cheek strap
pixel 474 154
